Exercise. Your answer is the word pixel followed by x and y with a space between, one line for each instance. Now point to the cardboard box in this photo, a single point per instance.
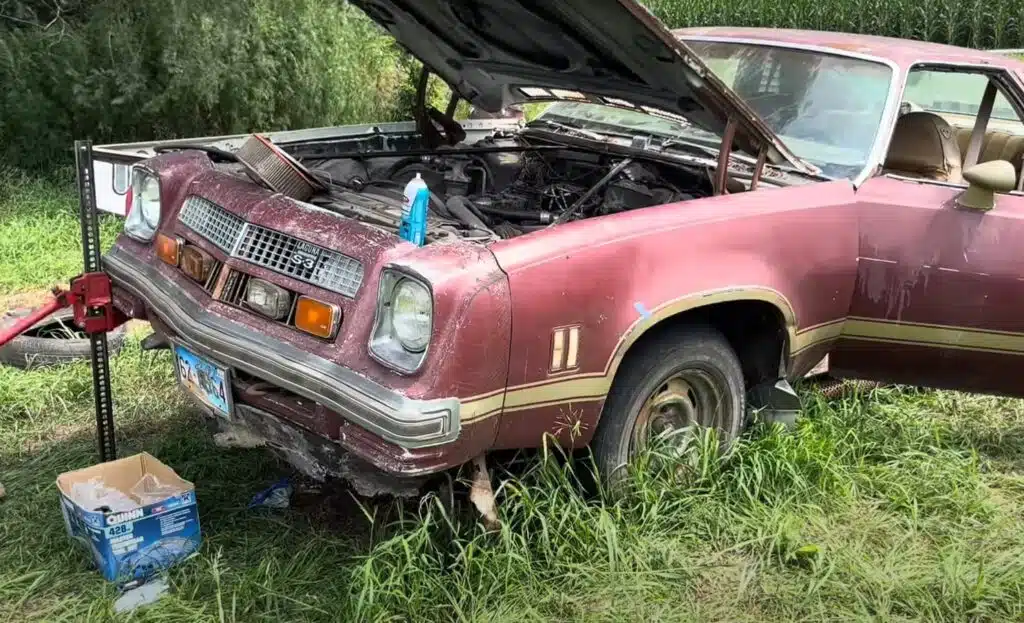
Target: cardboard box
pixel 147 532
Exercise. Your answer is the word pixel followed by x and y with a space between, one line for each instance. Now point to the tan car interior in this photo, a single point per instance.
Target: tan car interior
pixel 997 145
pixel 924 146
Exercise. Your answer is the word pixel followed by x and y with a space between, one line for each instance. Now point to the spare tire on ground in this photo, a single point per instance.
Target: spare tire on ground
pixel 52 341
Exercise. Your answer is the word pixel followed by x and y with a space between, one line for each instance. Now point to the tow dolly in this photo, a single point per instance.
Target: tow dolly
pixel 90 296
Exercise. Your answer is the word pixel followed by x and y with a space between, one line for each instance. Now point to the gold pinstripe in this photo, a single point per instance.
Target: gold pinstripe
pixel 591 386
pixel 960 338
pixel 594 385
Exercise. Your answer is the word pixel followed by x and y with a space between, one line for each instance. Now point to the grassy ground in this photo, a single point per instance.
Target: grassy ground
pixel 39 235
pixel 899 505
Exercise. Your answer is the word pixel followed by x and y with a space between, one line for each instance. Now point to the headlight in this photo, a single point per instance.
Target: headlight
pixel 144 216
pixel 404 322
pixel 411 315
pixel 268 299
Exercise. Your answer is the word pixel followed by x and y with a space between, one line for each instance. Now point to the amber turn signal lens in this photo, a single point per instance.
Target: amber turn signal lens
pixel 196 263
pixel 316 317
pixel 167 249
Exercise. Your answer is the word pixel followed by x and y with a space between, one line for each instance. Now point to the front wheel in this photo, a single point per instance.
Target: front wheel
pixel 684 377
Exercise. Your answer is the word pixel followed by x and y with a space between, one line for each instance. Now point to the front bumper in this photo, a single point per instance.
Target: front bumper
pixel 394 417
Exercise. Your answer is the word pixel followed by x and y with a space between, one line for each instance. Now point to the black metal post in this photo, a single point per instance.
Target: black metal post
pixel 98 341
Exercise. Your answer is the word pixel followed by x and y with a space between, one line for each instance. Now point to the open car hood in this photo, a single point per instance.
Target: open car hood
pixel 487 50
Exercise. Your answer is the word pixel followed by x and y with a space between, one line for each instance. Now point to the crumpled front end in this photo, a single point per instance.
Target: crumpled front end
pixel 299 304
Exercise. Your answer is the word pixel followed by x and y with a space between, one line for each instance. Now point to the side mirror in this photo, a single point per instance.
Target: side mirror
pixel 984 181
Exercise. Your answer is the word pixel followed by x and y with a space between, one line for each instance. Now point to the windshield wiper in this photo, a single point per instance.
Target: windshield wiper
pixel 711 151
pixel 704 149
pixel 639 141
pixel 651 142
pixel 568 129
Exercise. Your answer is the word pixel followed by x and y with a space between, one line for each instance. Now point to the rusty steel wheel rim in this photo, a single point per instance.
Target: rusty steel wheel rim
pixel 686 398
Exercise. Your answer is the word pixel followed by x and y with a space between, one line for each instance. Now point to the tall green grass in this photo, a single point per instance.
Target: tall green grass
pixel 894 505
pixel 873 507
pixel 40 243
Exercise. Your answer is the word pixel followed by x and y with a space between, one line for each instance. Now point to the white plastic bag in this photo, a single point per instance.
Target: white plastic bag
pixel 94 494
pixel 149 490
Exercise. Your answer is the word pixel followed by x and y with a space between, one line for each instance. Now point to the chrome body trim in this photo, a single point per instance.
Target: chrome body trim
pixel 404 421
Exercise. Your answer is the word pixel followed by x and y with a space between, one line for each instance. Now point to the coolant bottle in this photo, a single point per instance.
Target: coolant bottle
pixel 418 218
pixel 412 190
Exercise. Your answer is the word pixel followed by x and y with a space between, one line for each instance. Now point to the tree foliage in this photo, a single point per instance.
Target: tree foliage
pixel 125 70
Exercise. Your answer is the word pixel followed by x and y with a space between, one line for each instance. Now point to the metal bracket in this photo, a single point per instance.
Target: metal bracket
pixel 775 401
pixel 721 177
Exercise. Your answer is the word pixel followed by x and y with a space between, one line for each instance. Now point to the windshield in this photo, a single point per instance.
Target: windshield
pixel 826 108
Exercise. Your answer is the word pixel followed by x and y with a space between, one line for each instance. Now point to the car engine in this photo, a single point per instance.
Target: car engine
pixel 503 188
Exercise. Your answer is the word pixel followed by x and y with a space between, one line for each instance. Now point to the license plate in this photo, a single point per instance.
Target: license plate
pixel 206 381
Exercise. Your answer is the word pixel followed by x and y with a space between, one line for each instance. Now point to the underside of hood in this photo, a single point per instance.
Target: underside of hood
pixel 488 50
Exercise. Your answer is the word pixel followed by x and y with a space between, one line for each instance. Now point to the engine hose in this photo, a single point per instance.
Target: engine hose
pixel 438 206
pixel 436 203
pixel 475 209
pixel 458 208
pixel 518 215
pixel 414 163
pixel 579 203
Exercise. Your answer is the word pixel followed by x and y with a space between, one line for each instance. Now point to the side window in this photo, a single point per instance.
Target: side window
pixel 957 97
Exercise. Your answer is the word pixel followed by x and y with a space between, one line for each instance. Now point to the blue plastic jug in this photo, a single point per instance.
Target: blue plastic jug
pixel 418 218
pixel 414 221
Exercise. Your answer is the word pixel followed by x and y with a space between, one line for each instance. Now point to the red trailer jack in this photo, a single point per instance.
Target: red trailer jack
pixel 91 298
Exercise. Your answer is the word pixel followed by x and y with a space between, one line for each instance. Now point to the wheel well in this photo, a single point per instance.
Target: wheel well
pixel 756 330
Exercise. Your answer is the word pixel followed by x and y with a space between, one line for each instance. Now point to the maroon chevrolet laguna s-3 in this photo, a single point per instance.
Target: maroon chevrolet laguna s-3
pixel 695 219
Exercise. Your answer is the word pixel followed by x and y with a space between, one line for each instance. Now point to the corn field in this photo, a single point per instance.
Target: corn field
pixel 970 23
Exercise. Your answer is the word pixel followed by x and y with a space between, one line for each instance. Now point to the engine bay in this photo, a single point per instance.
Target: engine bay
pixel 501 187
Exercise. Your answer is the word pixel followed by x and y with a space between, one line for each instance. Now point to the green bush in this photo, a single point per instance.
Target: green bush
pixel 137 70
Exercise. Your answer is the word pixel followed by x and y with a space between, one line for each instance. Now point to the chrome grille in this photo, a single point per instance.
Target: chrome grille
pixel 339 273
pixel 301 260
pixel 271 249
pixel 211 222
